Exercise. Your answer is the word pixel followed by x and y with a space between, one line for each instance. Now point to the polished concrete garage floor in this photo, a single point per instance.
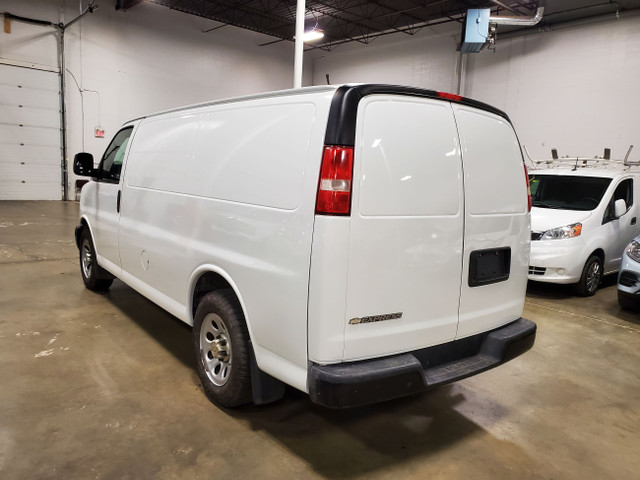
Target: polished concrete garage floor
pixel 103 386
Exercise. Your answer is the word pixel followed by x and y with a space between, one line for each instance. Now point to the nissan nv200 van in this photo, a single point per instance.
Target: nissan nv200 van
pixel 582 219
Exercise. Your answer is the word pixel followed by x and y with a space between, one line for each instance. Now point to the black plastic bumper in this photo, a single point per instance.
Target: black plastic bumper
pixel 359 383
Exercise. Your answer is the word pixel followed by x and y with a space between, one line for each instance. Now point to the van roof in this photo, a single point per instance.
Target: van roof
pixel 344 104
pixel 257 96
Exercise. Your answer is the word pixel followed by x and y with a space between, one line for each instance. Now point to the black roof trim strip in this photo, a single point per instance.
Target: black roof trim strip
pixel 341 127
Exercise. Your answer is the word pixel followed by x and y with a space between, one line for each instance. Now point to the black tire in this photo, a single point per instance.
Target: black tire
pixel 93 275
pixel 590 278
pixel 221 343
pixel 628 301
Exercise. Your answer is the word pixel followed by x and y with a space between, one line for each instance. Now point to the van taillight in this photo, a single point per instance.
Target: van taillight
pixel 334 189
pixel 526 178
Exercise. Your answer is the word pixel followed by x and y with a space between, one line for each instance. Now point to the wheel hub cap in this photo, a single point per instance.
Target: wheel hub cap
pixel 215 349
pixel 593 278
pixel 87 259
pixel 219 349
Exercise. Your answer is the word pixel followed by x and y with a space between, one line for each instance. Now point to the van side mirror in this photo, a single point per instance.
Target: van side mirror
pixel 619 208
pixel 83 164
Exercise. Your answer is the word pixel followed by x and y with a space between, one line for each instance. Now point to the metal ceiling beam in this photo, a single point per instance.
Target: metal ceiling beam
pixel 344 20
pixel 507 7
pixel 330 45
pixel 349 21
pixel 126 4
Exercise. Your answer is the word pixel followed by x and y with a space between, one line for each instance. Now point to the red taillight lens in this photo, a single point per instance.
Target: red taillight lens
pixel 334 189
pixel 450 96
pixel 526 178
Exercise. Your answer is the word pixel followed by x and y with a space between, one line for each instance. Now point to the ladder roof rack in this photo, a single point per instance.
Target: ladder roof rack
pixel 582 162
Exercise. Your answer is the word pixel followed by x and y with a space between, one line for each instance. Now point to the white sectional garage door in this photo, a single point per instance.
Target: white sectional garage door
pixel 30 151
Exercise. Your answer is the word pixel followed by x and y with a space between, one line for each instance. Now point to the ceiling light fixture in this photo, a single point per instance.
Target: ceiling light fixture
pixel 313 34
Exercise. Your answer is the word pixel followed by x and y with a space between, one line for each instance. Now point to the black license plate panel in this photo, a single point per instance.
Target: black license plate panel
pixel 489 266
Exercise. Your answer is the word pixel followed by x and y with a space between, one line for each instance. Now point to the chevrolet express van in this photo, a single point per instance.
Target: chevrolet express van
pixel 354 242
pixel 581 221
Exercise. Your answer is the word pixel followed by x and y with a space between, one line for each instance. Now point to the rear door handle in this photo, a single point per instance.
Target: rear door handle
pixel 633 221
pixel 120 193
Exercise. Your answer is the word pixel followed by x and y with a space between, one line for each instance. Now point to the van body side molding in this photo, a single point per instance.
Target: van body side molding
pixel 360 383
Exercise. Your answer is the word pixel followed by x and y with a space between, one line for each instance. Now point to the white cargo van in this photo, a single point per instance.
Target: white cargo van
pixel 584 215
pixel 359 243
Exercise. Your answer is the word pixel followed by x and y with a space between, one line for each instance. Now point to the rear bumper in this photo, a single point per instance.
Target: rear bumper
pixel 359 383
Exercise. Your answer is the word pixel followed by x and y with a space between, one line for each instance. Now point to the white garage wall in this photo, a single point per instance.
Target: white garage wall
pixel 427 59
pixel 146 59
pixel 150 58
pixel 574 88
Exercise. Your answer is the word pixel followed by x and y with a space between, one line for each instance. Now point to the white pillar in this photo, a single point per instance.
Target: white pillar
pixel 297 66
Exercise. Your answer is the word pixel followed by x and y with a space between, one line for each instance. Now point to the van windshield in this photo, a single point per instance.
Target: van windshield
pixel 567 192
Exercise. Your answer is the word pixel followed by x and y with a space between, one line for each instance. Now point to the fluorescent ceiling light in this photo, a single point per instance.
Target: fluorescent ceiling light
pixel 311 35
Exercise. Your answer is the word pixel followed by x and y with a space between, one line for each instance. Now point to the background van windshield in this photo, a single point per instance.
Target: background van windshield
pixel 567 192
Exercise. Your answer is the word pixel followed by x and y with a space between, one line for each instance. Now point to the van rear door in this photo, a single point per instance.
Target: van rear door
pixel 407 227
pixel 497 230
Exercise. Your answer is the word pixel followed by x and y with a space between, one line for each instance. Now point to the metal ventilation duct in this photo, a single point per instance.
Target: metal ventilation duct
pixel 519 21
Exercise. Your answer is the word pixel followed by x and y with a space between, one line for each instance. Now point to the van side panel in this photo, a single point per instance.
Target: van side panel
pixel 229 193
pixel 496 218
pixel 405 255
pixel 231 154
pixel 328 288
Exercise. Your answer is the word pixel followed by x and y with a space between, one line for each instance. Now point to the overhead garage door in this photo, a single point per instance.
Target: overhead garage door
pixel 30 151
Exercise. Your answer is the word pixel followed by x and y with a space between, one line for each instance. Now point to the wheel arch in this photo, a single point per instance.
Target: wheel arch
pixel 598 252
pixel 84 223
pixel 209 278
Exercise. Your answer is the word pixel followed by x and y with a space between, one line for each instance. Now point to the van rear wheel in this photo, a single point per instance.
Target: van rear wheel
pixel 590 278
pixel 221 343
pixel 93 275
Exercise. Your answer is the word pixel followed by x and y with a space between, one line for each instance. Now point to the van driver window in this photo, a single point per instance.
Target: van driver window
pixel 623 191
pixel 111 163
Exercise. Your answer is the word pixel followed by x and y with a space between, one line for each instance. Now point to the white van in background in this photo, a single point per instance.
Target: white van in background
pixel 353 242
pixel 585 212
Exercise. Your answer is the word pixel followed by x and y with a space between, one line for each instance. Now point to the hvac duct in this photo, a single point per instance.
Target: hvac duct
pixel 519 21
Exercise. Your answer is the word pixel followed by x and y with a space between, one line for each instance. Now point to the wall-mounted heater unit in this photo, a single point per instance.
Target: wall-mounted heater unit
pixel 479 27
pixel 475 30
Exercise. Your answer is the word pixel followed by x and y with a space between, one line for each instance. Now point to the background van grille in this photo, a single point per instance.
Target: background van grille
pixel 537 270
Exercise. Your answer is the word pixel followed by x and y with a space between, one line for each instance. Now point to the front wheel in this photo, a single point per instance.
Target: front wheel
pixel 590 278
pixel 221 343
pixel 93 275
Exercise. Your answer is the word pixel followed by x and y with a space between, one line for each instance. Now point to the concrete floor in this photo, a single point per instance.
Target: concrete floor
pixel 103 386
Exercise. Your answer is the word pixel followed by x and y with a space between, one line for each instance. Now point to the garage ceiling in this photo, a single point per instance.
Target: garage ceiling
pixel 363 21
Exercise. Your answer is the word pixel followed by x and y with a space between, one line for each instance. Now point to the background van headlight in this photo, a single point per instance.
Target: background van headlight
pixel 569 231
pixel 633 251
